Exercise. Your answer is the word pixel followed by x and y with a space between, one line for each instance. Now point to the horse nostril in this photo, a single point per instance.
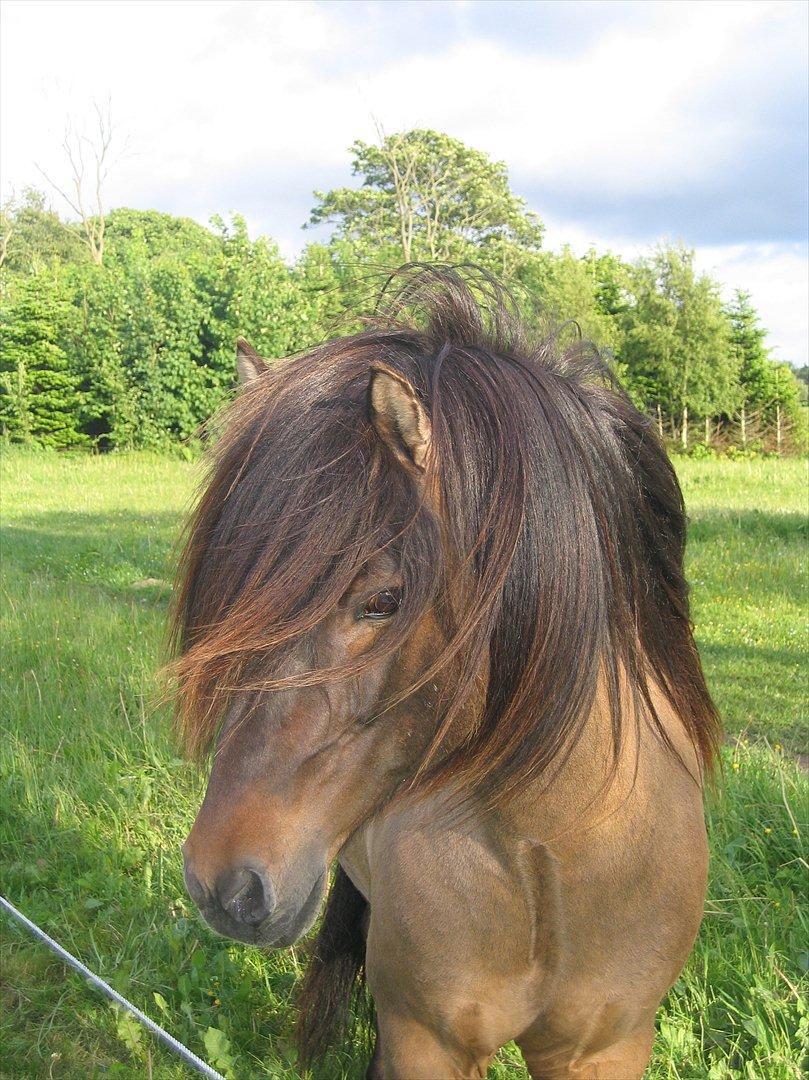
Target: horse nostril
pixel 196 890
pixel 246 895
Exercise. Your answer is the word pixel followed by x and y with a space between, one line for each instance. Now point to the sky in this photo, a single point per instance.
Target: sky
pixel 621 124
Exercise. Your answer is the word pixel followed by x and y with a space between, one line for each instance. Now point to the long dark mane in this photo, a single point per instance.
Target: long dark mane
pixel 557 565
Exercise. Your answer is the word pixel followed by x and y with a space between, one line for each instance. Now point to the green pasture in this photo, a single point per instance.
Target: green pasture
pixel 94 800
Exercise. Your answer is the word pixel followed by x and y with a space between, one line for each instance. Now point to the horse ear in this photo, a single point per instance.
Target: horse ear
pixel 399 417
pixel 248 363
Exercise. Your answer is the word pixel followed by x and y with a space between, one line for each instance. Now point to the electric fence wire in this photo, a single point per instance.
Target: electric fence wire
pixel 173 1044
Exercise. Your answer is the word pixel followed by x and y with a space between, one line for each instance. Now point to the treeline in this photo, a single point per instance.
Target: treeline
pixel 117 329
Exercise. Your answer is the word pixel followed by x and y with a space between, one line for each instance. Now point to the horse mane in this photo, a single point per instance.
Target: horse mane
pixel 557 564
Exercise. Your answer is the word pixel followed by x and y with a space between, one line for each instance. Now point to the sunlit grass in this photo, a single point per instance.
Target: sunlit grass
pixel 94 800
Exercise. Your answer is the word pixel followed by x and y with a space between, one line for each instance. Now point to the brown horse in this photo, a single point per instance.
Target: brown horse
pixel 433 618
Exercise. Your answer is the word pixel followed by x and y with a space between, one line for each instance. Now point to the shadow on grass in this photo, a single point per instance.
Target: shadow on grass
pixel 715 524
pixel 123 553
pixel 735 675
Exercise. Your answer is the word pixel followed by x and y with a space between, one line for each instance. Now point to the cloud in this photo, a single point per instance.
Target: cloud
pixel 620 121
pixel 777 277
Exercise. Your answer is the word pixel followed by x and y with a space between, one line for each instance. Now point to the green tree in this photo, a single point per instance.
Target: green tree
pixel 770 395
pixel 611 283
pixel 144 349
pixel 427 196
pixel 757 374
pixel 325 287
pixel 39 398
pixel 757 377
pixel 32 235
pixel 257 296
pixel 567 291
pixel 802 375
pixel 677 340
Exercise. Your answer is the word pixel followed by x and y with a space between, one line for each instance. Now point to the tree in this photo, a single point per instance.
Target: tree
pixel 802 375
pixel 8 213
pixel 676 346
pixel 758 377
pixel 611 283
pixel 257 296
pixel 566 290
pixel 33 235
pixel 427 196
pixel 39 399
pixel 86 201
pixel 325 289
pixel 149 355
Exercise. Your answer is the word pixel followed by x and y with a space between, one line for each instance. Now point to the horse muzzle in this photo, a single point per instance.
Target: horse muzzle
pixel 244 903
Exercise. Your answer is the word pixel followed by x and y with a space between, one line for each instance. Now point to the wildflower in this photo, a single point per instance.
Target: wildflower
pixel 767 830
pixel 736 766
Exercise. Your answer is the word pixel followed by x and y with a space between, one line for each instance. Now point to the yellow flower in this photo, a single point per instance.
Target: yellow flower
pixel 736 766
pixel 777 748
pixel 768 830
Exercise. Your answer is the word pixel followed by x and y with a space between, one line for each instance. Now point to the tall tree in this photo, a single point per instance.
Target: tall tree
pixel 567 291
pixel 89 161
pixel 424 195
pixel 39 398
pixel 34 236
pixel 770 393
pixel 757 378
pixel 677 341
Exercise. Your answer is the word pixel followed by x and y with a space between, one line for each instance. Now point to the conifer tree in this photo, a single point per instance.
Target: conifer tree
pixel 38 395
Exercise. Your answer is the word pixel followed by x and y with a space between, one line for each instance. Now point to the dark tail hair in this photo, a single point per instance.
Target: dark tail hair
pixel 333 994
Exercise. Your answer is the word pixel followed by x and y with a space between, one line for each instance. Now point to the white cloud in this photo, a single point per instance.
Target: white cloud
pixel 777 278
pixel 252 105
pixel 621 108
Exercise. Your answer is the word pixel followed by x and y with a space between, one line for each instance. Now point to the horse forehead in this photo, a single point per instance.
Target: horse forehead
pixel 275 728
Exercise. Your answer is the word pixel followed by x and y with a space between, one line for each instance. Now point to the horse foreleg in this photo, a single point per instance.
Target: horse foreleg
pixel 408 1050
pixel 625 1059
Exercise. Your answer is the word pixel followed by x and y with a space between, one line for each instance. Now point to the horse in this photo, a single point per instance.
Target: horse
pixel 433 623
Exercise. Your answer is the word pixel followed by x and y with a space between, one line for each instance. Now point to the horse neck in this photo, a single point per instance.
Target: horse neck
pixel 593 783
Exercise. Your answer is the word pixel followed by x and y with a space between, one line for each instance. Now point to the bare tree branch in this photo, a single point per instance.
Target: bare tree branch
pixel 92 218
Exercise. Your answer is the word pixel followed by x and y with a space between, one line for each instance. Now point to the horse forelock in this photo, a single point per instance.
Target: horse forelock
pixel 557 561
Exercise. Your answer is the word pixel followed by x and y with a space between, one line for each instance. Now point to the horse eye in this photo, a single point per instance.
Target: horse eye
pixel 382 604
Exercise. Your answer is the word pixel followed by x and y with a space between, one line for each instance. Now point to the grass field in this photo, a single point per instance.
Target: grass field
pixel 94 800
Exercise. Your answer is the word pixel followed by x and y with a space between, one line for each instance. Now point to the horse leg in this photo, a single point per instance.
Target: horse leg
pixel 408 1050
pixel 625 1059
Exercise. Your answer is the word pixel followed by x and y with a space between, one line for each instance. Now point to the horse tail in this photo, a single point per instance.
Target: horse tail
pixel 333 995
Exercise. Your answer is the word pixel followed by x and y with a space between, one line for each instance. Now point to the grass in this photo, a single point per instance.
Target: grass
pixel 748 563
pixel 94 800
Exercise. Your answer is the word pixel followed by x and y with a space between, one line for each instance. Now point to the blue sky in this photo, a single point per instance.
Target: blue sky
pixel 621 123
